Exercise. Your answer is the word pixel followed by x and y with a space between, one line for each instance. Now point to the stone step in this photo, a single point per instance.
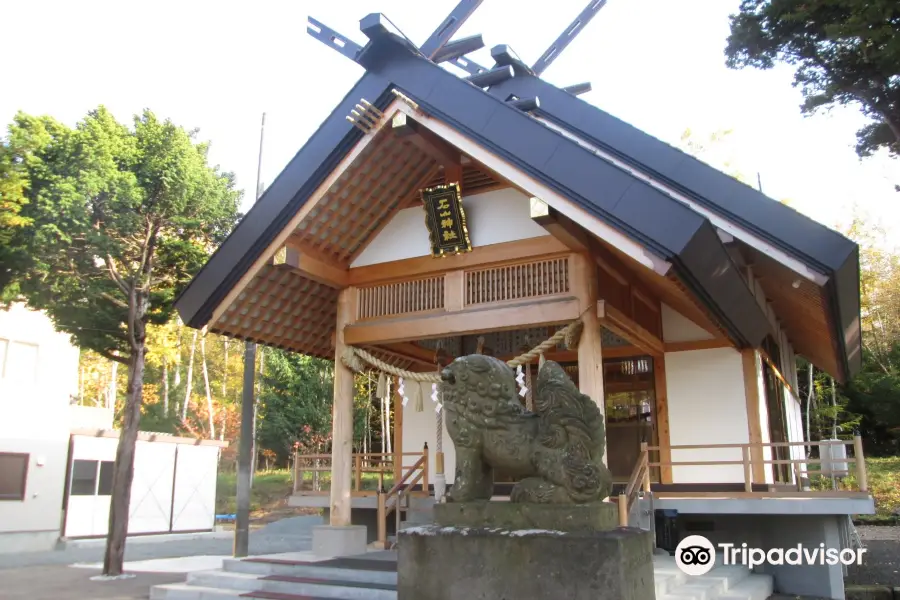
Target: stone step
pixel 752 587
pixel 316 587
pixel 329 588
pixel 184 591
pixel 346 569
pixel 279 596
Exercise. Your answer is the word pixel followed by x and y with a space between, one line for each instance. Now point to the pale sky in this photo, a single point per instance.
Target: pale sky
pixel 217 66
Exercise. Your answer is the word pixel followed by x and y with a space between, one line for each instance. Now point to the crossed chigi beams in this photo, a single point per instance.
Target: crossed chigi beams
pixel 439 49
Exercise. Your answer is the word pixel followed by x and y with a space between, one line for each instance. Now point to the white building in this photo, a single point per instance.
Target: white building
pixel 38 378
pixel 56 457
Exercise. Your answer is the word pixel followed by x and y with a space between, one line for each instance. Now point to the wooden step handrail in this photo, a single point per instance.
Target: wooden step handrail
pixel 640 477
pixel 406 482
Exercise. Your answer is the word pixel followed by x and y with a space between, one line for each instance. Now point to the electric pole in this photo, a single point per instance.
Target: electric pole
pixel 245 449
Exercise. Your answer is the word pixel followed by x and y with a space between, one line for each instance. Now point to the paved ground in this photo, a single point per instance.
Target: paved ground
pixel 48 576
pixel 65 583
pixel 287 535
pixel 881 563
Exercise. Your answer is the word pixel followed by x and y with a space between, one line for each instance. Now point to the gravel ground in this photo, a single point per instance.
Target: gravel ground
pixel 287 535
pixel 881 563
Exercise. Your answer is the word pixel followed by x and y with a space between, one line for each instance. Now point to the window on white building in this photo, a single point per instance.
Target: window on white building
pixel 13 476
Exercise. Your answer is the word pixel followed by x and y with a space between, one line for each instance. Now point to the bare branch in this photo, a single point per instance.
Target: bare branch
pixel 114 300
pixel 114 273
pixel 107 354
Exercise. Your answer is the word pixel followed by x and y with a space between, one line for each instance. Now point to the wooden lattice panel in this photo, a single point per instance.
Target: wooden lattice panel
pixel 610 340
pixel 475 180
pixel 365 196
pixel 283 309
pixel 403 297
pixel 516 282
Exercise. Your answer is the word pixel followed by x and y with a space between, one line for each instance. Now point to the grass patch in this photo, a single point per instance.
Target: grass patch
pixel 883 475
pixel 884 485
pixel 270 488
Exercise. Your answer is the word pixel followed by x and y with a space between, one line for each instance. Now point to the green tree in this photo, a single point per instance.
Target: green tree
pixel 121 219
pixel 844 51
pixel 295 404
pixel 13 162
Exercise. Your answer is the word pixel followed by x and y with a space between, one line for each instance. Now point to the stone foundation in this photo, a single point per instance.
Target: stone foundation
pixel 497 550
pixel 331 541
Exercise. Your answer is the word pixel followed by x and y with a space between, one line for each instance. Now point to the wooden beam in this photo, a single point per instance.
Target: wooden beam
pixel 590 351
pixel 295 258
pixel 342 419
pixel 626 328
pixel 508 252
pixel 414 350
pixel 464 322
pixel 405 127
pixel 663 435
pixel 697 345
pixel 751 393
pixel 411 352
pixel 559 226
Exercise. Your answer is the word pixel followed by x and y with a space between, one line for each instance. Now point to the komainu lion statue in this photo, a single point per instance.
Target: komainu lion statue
pixel 558 449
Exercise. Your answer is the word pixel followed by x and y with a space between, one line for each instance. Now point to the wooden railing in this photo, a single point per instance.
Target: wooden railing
pixel 639 480
pixel 799 466
pixel 640 475
pixel 370 473
pixel 465 288
pixel 391 501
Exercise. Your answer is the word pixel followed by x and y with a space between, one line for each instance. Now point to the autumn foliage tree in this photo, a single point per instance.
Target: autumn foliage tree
pixel 119 219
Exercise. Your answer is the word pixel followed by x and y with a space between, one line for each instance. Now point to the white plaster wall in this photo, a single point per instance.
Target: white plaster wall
pixel 764 437
pixel 421 427
pixel 34 419
pixel 492 218
pixel 678 328
pixel 705 390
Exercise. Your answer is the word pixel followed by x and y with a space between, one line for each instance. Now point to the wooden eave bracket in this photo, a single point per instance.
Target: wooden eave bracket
pixel 311 267
pixel 425 140
pixel 558 226
pixel 626 328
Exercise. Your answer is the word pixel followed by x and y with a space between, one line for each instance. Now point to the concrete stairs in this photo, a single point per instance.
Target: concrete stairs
pixel 369 577
pixel 723 582
pixel 374 577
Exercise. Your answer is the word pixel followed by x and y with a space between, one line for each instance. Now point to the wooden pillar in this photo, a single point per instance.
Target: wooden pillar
pixel 751 390
pixel 342 417
pixel 663 437
pixel 398 434
pixel 590 352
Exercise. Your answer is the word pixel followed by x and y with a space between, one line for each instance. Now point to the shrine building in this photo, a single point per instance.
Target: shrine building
pixel 433 216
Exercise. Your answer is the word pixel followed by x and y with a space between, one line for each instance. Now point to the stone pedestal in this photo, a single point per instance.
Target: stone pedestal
pixel 500 550
pixel 331 541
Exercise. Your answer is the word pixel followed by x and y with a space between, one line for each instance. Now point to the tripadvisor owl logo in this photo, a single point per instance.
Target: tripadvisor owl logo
pixel 695 555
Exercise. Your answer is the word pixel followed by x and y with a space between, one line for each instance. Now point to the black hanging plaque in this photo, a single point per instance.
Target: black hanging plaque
pixel 446 220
